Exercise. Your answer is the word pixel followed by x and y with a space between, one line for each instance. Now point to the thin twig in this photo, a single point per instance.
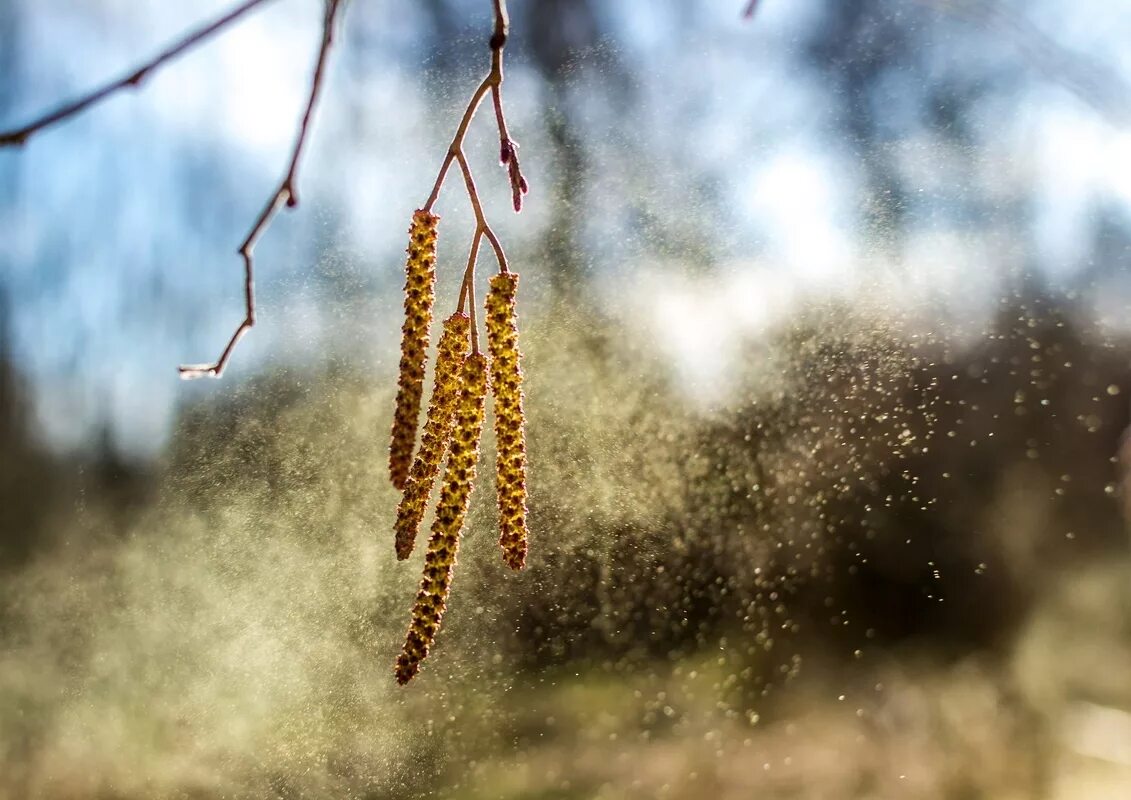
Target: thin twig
pixel 471 307
pixel 502 26
pixel 481 225
pixel 467 287
pixel 508 148
pixel 457 140
pixel 508 153
pixel 286 193
pixel 131 80
pixel 751 7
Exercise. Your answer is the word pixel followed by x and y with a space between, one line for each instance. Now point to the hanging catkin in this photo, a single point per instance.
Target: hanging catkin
pixel 506 385
pixel 434 441
pixel 455 494
pixel 419 294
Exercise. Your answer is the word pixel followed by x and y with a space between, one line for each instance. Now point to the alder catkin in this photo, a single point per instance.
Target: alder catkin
pixel 450 356
pixel 455 494
pixel 419 294
pixel 506 385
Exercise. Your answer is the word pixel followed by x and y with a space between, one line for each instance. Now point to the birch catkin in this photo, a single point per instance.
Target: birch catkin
pixel 506 385
pixel 434 441
pixel 455 494
pixel 419 294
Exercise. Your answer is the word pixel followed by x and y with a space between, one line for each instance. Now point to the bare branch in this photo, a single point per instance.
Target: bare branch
pixel 131 80
pixel 469 280
pixel 508 152
pixel 456 146
pixel 508 149
pixel 286 193
pixel 502 26
pixel 481 226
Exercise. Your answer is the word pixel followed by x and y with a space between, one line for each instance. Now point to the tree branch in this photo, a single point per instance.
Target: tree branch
pixel 286 193
pixel 131 80
pixel 508 150
pixel 481 226
pixel 456 146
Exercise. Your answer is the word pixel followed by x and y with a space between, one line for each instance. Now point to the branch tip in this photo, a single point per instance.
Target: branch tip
pixel 17 137
pixel 285 194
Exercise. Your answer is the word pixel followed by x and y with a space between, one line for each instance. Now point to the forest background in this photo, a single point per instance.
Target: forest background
pixel 827 359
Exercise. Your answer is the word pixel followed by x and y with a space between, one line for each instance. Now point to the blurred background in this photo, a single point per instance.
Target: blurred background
pixel 825 319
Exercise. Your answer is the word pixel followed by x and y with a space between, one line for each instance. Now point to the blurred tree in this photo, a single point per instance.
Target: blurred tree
pixel 556 32
pixel 28 474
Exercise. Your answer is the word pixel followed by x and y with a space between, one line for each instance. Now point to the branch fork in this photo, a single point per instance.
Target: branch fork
pixel 286 194
pixel 508 157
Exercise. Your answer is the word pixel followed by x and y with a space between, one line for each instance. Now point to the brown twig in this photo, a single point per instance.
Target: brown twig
pixel 508 148
pixel 508 156
pixel 467 289
pixel 751 7
pixel 131 80
pixel 469 271
pixel 286 193
pixel 481 226
pixel 470 280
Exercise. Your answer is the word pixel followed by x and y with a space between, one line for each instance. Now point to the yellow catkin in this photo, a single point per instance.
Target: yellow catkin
pixel 506 384
pixel 434 441
pixel 419 294
pixel 455 494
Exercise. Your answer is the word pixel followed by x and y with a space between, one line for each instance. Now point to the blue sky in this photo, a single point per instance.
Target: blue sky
pixel 120 227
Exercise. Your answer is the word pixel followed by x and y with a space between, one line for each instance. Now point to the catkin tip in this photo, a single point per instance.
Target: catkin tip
pixel 455 496
pixel 510 421
pixel 419 296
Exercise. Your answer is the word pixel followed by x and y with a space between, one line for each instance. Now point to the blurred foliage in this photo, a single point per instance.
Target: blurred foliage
pixel 886 513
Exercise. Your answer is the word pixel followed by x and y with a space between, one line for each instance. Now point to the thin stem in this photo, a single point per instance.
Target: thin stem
pixel 508 149
pixel 497 246
pixel 285 193
pixel 492 81
pixel 456 147
pixel 472 256
pixel 481 226
pixel 472 192
pixel 500 118
pixel 467 286
pixel 469 280
pixel 130 80
pixel 461 306
pixel 502 25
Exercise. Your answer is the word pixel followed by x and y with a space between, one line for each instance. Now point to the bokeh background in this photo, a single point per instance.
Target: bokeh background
pixel 825 324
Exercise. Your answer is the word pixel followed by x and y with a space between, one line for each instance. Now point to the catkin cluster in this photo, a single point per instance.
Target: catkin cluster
pixel 428 610
pixel 450 356
pixel 506 384
pixel 419 295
